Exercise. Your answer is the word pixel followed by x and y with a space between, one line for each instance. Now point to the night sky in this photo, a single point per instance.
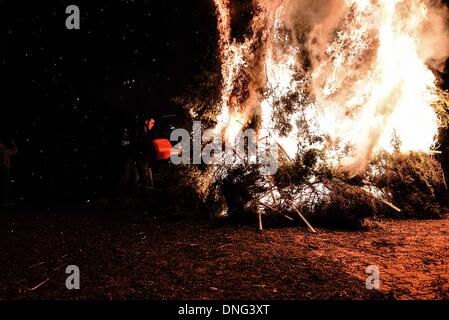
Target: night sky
pixel 67 94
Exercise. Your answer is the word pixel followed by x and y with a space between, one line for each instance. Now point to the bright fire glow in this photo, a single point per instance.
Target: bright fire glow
pixel 359 69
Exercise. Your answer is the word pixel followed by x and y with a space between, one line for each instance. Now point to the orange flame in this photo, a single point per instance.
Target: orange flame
pixel 359 69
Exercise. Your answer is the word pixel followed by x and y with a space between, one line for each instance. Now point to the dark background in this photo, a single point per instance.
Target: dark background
pixel 67 94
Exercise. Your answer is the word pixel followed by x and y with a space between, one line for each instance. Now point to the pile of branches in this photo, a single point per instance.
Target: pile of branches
pixel 307 190
pixel 415 182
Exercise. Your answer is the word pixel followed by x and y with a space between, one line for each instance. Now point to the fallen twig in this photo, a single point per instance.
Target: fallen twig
pixel 302 217
pixel 391 205
pixel 39 285
pixel 284 152
pixel 36 265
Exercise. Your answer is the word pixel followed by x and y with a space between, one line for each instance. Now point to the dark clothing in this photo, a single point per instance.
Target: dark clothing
pixel 145 172
pixel 145 156
pixel 144 144
pixel 138 158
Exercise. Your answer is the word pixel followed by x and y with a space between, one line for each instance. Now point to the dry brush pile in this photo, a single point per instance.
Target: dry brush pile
pixel 308 190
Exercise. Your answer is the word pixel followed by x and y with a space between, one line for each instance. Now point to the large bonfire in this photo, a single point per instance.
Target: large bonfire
pixel 347 90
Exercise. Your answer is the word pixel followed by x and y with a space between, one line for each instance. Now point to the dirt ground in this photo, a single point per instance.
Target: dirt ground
pixel 131 254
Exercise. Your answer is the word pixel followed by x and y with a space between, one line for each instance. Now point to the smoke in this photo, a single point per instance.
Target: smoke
pixel 434 37
pixel 361 67
pixel 316 21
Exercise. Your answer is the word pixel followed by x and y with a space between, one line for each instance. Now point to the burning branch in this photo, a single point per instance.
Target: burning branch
pixel 335 92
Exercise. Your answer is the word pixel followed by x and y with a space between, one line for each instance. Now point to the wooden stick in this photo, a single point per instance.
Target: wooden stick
pixel 266 205
pixel 39 285
pixel 388 203
pixel 262 196
pixel 284 152
pixel 260 221
pixel 391 205
pixel 36 265
pixel 302 217
pixel 273 209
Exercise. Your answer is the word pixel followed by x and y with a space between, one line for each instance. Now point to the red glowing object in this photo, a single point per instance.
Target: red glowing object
pixel 163 149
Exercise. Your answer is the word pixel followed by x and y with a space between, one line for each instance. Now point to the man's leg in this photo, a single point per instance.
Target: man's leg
pixel 142 167
pixel 150 176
